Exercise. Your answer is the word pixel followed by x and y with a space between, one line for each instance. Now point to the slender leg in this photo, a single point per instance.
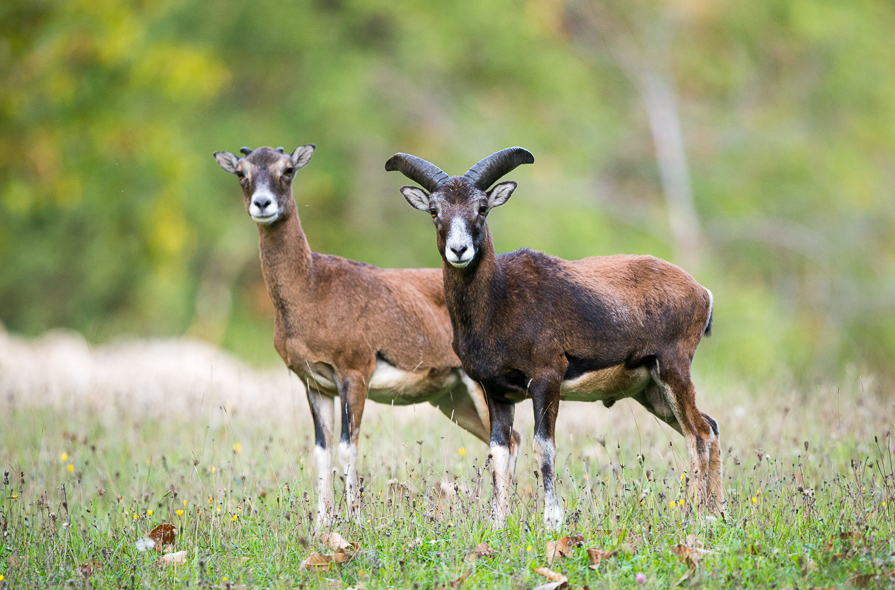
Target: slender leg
pixel 680 397
pixel 352 394
pixel 716 469
pixel 322 411
pixel 545 400
pixel 501 435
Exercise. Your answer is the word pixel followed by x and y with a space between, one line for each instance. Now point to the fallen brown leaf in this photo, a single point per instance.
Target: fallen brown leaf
pixel 688 555
pixel 342 556
pixel 553 586
pixel 563 547
pixel 316 561
pixel 480 550
pixel 598 555
pixel 337 542
pixel 178 558
pixel 551 575
pixel 163 535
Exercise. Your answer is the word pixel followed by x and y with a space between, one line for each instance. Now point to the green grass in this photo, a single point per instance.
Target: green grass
pixel 85 483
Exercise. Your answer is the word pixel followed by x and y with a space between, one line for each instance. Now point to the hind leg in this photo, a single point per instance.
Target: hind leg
pixel 716 469
pixel 671 397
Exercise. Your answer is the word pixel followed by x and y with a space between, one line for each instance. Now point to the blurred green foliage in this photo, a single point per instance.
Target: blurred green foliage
pixel 114 218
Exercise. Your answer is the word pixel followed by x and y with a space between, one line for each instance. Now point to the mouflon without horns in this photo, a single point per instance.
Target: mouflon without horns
pixel 348 329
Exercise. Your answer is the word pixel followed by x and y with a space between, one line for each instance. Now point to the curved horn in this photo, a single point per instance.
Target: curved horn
pixel 245 150
pixel 427 175
pixel 487 171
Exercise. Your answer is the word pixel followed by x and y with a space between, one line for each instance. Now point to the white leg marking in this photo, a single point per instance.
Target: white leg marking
pixel 545 455
pixel 325 502
pixel 348 459
pixel 500 503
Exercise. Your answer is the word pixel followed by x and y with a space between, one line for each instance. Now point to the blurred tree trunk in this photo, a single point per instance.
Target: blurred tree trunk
pixel 642 53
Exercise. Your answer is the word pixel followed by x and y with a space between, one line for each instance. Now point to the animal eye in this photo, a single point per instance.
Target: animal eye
pixel 288 171
pixel 240 175
pixel 433 213
pixel 483 209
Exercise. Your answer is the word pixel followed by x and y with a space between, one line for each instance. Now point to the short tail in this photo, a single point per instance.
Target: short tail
pixel 707 331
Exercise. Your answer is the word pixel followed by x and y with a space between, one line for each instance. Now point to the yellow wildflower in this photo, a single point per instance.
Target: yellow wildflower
pixel 70 467
pixel 462 451
pixel 237 448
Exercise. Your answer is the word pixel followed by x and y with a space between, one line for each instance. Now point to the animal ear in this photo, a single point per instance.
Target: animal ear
pixel 500 194
pixel 417 197
pixel 301 156
pixel 227 161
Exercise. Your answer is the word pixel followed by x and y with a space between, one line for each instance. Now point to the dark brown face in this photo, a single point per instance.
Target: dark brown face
pixel 266 179
pixel 459 209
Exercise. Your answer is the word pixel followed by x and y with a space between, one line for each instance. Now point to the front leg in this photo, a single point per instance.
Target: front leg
pixel 545 401
pixel 353 394
pixel 502 414
pixel 322 411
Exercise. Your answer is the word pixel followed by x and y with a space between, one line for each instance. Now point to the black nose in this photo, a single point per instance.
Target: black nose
pixel 262 203
pixel 458 251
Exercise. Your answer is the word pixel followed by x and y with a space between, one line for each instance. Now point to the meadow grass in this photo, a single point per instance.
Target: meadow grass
pixel 808 477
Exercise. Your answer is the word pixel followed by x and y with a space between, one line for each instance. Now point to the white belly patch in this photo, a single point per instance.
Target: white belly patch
pixel 391 385
pixel 606 384
pixel 385 376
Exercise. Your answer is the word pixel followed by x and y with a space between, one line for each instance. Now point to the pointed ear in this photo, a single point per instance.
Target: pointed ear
pixel 500 194
pixel 301 156
pixel 227 161
pixel 417 197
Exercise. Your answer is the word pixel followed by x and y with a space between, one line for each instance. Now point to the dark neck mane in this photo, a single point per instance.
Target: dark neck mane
pixel 473 292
